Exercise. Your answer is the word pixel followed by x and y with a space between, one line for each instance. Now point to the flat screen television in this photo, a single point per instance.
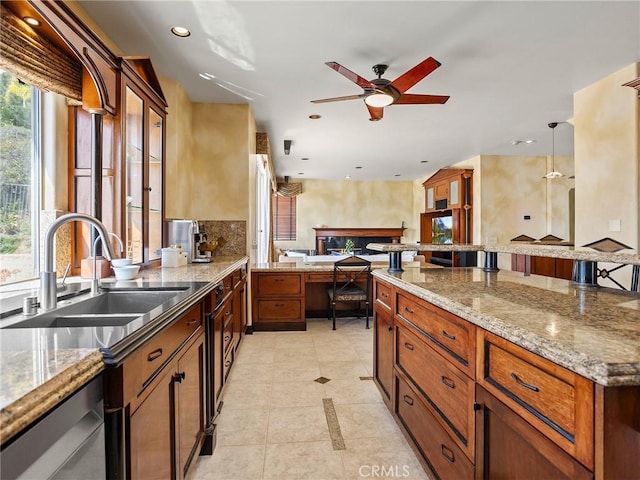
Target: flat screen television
pixel 442 230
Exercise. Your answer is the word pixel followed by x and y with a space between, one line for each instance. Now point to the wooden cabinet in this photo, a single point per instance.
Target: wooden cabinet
pixel 159 392
pixel 383 352
pixel 142 121
pixel 278 301
pixel 448 391
pixel 547 266
pixel 509 447
pixel 473 404
pixel 432 440
pixel 448 188
pixel 556 401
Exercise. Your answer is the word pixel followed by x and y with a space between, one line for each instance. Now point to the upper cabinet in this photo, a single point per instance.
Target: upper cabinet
pixel 142 122
pixel 448 188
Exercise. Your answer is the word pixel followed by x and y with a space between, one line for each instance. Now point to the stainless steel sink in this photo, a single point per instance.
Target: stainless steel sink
pixel 111 308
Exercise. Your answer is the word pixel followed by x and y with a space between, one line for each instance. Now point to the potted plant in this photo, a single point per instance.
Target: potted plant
pixel 348 246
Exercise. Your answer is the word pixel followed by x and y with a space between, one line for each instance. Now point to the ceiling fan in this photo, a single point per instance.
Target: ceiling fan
pixel 380 92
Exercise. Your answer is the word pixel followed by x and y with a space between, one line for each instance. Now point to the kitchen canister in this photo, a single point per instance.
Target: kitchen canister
pixel 173 257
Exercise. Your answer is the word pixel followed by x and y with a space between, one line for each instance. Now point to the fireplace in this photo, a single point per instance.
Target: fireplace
pixel 331 239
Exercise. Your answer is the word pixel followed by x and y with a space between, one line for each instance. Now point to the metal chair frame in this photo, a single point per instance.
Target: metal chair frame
pixel 356 270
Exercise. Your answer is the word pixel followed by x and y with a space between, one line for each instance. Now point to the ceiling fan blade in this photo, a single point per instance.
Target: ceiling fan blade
pixel 408 79
pixel 354 77
pixel 338 99
pixel 375 112
pixel 408 99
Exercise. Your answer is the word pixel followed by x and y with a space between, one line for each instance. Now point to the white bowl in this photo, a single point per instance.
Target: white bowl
pixel 121 262
pixel 128 272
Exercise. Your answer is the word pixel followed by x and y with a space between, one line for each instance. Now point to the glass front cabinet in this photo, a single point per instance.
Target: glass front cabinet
pixel 142 119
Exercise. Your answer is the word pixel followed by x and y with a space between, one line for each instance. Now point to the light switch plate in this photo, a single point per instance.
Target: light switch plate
pixel 614 225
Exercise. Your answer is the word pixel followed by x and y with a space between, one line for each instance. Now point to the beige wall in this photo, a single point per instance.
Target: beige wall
pixel 607 126
pixel 179 178
pixel 352 203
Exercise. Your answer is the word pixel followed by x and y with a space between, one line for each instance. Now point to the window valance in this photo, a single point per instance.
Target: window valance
pixel 289 189
pixel 36 60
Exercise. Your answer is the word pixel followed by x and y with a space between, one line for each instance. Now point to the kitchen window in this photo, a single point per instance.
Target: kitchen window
pixel 284 218
pixel 20 179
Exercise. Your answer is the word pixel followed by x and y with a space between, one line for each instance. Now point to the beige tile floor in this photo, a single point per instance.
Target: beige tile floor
pixel 273 423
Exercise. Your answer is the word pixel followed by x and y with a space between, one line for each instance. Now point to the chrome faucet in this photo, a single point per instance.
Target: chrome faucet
pixel 48 300
pixel 95 282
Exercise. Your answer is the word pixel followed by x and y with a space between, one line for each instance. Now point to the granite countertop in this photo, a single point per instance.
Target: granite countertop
pixel 553 251
pixel 39 367
pixel 594 332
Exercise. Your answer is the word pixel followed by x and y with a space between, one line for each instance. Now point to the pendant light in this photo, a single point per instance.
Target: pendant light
pixel 553 173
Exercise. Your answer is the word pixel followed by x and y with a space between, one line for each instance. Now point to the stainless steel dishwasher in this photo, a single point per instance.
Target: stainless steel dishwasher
pixel 67 443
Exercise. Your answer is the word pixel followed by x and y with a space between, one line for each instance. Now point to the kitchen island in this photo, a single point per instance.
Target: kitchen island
pixel 41 367
pixel 510 374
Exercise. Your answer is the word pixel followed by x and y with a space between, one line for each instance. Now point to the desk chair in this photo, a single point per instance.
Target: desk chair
pixel 349 274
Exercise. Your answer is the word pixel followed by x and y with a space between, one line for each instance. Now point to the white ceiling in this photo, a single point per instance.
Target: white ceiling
pixel 509 67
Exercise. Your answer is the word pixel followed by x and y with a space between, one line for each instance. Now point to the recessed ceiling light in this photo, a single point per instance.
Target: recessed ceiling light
pixel 347 177
pixel 34 22
pixel 207 76
pixel 397 175
pixel 518 142
pixel 300 173
pixel 424 161
pixel 529 141
pixel 180 31
pixel 358 167
pixel 304 159
pixel 315 116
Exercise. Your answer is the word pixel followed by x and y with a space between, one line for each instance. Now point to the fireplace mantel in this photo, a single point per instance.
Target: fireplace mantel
pixel 322 233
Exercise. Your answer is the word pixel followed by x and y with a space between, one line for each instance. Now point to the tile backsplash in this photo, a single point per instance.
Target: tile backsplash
pixel 231 235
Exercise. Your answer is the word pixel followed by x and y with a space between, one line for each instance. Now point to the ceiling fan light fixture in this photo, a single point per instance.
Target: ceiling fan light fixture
pixel 378 100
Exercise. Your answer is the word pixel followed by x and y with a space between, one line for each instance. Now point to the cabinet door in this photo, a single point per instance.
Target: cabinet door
pixel 189 403
pixel 430 198
pixel 134 144
pixel 154 184
pixel 509 447
pixel 383 353
pixel 454 193
pixel 151 449
pixel 442 190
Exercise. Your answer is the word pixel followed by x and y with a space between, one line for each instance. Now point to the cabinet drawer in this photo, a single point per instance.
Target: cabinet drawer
pixel 226 365
pixel 282 310
pixel 443 454
pixel 449 390
pixel 279 284
pixel 159 349
pixel 383 294
pixel 453 336
pixel 555 400
pixel 227 335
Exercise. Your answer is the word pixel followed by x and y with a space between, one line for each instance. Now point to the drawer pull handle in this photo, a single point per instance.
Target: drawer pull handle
pixel 448 335
pixel 447 453
pixel 533 388
pixel 226 314
pixel 448 382
pixel 227 337
pixel 408 400
pixel 390 327
pixel 408 310
pixel 153 355
pixel 408 346
pixel 178 377
pixel 384 294
pixel 278 279
pixel 279 305
pixel 191 322
pixel 227 363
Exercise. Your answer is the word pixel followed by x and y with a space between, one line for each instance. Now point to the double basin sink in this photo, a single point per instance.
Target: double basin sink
pixel 108 308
